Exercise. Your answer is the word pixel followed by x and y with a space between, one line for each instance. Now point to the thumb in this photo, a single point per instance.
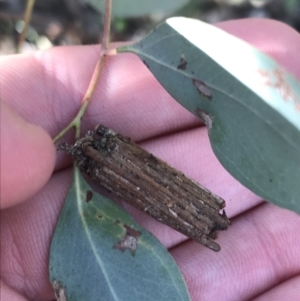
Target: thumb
pixel 27 158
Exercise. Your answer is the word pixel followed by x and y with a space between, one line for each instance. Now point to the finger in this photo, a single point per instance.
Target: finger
pixel 7 294
pixel 260 250
pixel 127 98
pixel 288 290
pixel 27 158
pixel 26 233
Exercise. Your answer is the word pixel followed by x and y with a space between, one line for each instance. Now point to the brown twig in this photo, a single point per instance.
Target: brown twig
pixel 27 18
pixel 94 80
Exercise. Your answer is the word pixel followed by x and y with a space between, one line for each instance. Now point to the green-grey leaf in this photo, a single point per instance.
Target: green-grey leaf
pixel 250 104
pixel 99 252
pixel 137 8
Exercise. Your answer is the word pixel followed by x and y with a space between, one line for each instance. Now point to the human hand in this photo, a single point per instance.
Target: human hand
pixel 260 251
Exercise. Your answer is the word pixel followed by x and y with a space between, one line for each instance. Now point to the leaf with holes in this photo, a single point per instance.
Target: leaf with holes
pixel 249 103
pixel 99 251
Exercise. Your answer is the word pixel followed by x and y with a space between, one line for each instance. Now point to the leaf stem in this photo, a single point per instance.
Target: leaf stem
pixel 27 18
pixel 76 122
pixel 106 26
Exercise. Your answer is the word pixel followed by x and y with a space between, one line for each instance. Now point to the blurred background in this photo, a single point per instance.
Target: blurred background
pixel 75 22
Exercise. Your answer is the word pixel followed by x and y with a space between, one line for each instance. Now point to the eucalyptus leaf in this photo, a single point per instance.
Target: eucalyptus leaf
pixel 138 8
pixel 249 103
pixel 99 252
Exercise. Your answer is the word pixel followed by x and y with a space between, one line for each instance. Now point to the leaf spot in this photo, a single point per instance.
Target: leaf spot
pixel 276 79
pixel 182 64
pixel 59 291
pixel 202 88
pixel 205 118
pixel 88 196
pixel 129 241
pixel 99 216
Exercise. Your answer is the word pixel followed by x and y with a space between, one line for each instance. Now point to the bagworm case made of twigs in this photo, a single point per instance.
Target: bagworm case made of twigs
pixel 149 184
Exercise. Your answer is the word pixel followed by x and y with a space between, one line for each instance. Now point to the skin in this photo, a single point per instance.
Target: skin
pixel 41 93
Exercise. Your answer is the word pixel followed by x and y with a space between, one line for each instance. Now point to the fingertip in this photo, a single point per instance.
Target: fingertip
pixel 27 158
